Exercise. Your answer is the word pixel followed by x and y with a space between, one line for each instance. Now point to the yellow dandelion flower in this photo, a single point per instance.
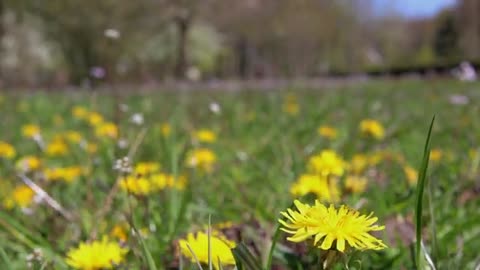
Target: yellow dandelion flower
pixel 30 131
pixel 205 136
pixel 327 132
pixel 372 128
pixel 73 136
pixel 90 147
pixel 201 158
pixel 436 154
pixel 66 174
pixel 165 129
pixel 22 196
pixel 328 162
pixel 139 186
pixel 107 130
pixel 376 157
pixel 79 112
pixel 94 118
pixel 290 105
pixel 331 228
pixel 28 163
pixel 359 163
pixel 58 120
pixel 220 248
pixel 356 184
pixel 56 148
pixel 411 174
pixel 160 181
pixel 119 231
pixel 7 150
pixel 97 255
pixel 325 189
pixel 146 168
pixel 223 225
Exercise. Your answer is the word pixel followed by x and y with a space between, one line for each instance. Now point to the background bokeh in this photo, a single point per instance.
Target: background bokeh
pixel 58 43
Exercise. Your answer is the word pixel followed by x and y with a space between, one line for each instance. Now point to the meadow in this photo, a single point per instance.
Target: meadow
pixel 173 180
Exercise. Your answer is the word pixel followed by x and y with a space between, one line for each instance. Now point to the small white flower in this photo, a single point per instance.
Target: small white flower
pixel 123 165
pixel 193 74
pixel 215 108
pixel 458 99
pixel 309 149
pixel 112 33
pixel 152 227
pixel 242 156
pixel 27 211
pixel 122 143
pixel 123 107
pixel 137 119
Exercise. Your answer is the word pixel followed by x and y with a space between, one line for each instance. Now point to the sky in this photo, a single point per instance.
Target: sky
pixel 414 8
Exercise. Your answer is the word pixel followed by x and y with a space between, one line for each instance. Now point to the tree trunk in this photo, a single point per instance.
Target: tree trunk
pixel 183 27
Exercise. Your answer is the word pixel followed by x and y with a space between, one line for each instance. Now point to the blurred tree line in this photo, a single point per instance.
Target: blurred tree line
pixel 59 42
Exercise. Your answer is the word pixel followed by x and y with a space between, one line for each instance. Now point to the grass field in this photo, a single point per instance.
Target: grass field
pixel 241 170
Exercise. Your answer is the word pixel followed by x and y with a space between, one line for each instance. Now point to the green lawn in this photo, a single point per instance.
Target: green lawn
pixel 261 150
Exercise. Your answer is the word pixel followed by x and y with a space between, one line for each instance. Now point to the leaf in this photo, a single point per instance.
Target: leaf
pixel 419 197
pixel 243 257
pixel 272 247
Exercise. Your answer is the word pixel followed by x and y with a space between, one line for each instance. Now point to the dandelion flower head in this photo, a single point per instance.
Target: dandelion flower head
pixel 373 128
pixel 331 228
pixel 220 248
pixel 97 255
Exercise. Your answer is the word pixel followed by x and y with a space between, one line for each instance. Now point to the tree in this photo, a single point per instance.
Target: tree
pixel 445 42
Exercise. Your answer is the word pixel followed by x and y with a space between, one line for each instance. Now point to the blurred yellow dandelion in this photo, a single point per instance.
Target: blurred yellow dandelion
pixel 7 150
pixel 165 129
pixel 97 255
pixel 372 128
pixel 436 154
pixel 325 189
pixel 94 118
pixel 73 136
pixel 146 168
pixel 139 186
pixel 327 132
pixel 220 248
pixel 30 131
pixel 359 163
pixel 108 129
pixel 356 184
pixel 57 147
pixel 119 231
pixel 327 163
pixel 66 174
pixel 160 181
pixel 79 112
pixel 22 196
pixel 411 174
pixel 201 158
pixel 290 105
pixel 28 163
pixel 205 136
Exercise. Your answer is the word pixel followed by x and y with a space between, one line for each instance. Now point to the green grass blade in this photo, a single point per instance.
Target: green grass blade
pixel 244 257
pixel 422 176
pixel 433 224
pixel 272 247
pixel 194 257
pixel 146 252
pixel 5 259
